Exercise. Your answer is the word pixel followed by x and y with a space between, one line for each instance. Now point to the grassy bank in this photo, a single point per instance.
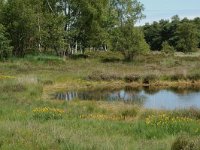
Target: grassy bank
pixel 30 119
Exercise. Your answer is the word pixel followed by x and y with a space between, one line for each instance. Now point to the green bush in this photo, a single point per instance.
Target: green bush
pixel 167 49
pixel 130 42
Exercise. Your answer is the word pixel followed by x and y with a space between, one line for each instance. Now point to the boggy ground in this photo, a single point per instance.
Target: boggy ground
pixel 29 119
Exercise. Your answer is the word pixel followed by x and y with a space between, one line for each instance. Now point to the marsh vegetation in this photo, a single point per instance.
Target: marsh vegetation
pixel 31 119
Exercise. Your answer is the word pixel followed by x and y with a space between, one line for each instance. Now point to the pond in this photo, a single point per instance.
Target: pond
pixel 168 99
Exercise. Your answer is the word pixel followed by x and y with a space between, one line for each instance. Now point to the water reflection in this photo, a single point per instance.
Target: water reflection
pixel 99 95
pixel 148 98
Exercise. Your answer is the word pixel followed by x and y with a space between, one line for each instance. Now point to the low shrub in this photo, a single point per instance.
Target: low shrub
pixel 191 113
pixel 149 78
pixel 186 143
pixel 129 113
pixel 105 56
pixel 132 78
pixel 194 77
pixel 46 82
pixel 100 76
pixel 167 49
pixel 178 76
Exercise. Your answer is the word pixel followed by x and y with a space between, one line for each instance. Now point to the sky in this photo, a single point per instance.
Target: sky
pixel 165 9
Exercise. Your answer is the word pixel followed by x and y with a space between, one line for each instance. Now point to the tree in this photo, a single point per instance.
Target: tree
pixel 187 37
pixel 130 41
pixel 21 25
pixel 86 24
pixel 128 11
pixel 52 34
pixel 125 37
pixel 153 35
pixel 5 48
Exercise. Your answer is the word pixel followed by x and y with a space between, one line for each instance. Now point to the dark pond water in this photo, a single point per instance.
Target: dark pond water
pixel 160 99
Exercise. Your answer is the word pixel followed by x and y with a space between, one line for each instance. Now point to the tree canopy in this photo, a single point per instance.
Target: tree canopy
pixel 183 34
pixel 67 27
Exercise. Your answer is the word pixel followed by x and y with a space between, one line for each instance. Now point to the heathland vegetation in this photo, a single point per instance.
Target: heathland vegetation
pixel 50 45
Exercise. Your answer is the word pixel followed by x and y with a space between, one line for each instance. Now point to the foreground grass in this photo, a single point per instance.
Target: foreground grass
pixel 30 119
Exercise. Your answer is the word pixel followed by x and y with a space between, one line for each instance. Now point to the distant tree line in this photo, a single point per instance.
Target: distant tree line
pixel 180 35
pixel 68 27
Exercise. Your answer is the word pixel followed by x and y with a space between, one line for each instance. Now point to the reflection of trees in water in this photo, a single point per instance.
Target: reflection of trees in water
pixel 176 90
pixel 127 96
pixel 185 91
pixel 67 96
pixel 133 89
pixel 93 95
pixel 121 95
pixel 83 95
pixel 150 90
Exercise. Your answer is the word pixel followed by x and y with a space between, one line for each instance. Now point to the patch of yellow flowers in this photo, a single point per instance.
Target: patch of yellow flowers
pixel 102 117
pixel 163 119
pixel 6 77
pixel 48 113
pixel 48 109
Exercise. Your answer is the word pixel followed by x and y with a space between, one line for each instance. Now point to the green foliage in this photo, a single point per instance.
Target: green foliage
pixel 183 34
pixel 130 41
pixel 65 27
pixel 5 48
pixel 187 37
pixel 70 27
pixel 167 49
pixel 20 23
pixel 52 34
pixel 152 35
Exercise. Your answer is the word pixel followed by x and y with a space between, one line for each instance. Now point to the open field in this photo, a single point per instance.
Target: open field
pixel 30 119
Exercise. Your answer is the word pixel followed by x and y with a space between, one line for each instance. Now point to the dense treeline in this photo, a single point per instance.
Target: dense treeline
pixel 67 27
pixel 181 35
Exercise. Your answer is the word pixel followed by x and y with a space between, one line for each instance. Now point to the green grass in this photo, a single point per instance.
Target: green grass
pixel 89 124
